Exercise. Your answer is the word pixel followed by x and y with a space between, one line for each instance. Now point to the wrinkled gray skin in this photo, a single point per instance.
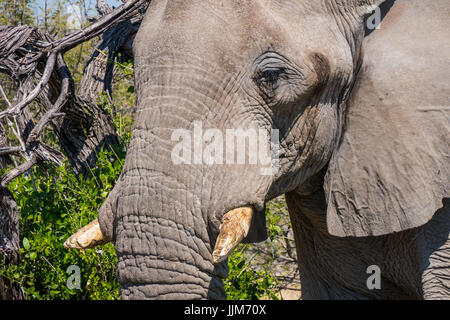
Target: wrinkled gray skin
pixel 364 124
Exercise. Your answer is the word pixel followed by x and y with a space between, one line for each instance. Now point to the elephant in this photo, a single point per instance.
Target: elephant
pixel 354 93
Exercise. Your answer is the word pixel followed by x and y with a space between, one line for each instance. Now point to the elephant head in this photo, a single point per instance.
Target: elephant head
pixel 294 72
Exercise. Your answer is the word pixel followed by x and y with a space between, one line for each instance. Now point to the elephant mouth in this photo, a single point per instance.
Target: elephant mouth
pixel 233 229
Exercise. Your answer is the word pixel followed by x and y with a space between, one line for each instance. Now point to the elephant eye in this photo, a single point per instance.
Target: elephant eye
pixel 267 80
pixel 270 77
pixel 278 80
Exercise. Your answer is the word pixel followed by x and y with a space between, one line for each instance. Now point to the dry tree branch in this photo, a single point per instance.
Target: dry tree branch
pixel 55 110
pixel 115 17
pixel 16 109
pixel 26 48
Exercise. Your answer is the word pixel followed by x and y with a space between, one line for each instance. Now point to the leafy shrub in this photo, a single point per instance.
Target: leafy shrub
pixel 243 283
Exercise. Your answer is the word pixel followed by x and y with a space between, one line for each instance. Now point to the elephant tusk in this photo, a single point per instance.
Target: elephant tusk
pixel 87 237
pixel 235 226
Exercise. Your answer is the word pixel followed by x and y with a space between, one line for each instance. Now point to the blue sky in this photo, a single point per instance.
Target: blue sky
pixel 74 12
pixel 110 2
pixel 89 3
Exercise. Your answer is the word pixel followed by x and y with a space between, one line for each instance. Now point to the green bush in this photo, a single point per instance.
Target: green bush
pixel 54 205
pixel 243 283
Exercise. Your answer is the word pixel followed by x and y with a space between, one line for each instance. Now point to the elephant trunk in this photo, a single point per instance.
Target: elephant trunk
pixel 163 255
pixel 163 233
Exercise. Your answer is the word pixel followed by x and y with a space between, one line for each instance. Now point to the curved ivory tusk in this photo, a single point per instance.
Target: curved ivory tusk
pixel 87 237
pixel 235 226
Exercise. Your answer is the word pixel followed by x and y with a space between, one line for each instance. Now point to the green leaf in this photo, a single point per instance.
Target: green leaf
pixel 26 243
pixel 104 194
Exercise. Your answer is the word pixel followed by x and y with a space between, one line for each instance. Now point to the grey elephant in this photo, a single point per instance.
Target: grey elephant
pixel 361 110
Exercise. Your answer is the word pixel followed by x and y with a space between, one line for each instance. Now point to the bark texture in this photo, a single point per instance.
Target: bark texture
pixel 9 242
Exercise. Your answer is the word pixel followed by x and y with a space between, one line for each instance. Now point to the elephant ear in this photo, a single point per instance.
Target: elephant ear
pixel 391 169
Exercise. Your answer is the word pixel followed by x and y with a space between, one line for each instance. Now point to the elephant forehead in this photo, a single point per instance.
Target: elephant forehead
pixel 228 33
pixel 231 35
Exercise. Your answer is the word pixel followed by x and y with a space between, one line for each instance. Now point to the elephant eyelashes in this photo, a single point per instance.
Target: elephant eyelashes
pixel 277 80
pixel 267 81
pixel 271 76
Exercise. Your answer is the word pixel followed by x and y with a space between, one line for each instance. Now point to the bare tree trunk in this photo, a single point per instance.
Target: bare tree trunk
pixel 9 243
